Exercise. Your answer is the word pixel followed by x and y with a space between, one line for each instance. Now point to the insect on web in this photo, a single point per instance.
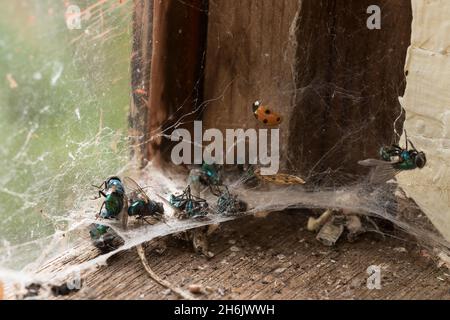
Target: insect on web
pixel 64 128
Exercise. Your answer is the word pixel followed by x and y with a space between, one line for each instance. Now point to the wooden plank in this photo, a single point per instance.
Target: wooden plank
pixel 349 80
pixel 249 57
pixel 334 81
pixel 282 262
pixel 140 79
pixel 167 61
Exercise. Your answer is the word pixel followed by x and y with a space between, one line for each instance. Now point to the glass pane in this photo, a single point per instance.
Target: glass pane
pixel 64 98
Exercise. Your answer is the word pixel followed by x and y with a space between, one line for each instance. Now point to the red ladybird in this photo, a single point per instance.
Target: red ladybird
pixel 265 115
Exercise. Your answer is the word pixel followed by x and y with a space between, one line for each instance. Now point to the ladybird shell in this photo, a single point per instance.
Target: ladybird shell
pixel 267 116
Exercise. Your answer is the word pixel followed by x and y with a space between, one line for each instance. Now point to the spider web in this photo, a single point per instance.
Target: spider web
pixel 63 108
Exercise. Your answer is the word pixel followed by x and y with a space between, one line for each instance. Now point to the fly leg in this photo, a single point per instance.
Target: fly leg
pixel 101 188
pixel 100 211
pixel 144 219
pixel 100 194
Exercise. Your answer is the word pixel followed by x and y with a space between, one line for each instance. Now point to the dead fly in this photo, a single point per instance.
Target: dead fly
pixel 210 174
pixel 114 207
pixel 207 175
pixel 394 159
pixel 189 205
pixel 229 204
pixel 140 205
pixel 115 204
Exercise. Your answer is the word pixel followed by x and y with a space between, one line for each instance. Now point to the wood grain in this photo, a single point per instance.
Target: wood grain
pixel 276 259
pixel 167 61
pixel 335 82
pixel 249 57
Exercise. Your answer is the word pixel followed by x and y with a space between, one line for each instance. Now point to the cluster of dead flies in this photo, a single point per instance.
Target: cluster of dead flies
pixel 124 198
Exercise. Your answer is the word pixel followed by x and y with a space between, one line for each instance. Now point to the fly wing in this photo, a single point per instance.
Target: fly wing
pixel 178 211
pixel 372 162
pixel 382 171
pixel 133 190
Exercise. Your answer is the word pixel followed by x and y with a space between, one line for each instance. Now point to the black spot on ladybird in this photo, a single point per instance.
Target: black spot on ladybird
pixel 265 120
pixel 278 119
pixel 267 111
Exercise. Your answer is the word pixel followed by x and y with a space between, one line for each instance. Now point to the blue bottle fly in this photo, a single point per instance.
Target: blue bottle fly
pixel 210 174
pixel 115 200
pixel 189 204
pixel 103 237
pixel 403 159
pixel 395 159
pixel 140 205
pixel 141 208
pixel 230 204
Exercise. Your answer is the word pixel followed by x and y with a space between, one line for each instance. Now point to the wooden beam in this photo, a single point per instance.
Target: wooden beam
pixel 312 271
pixel 174 31
pixel 139 115
pixel 348 82
pixel 334 81
pixel 249 57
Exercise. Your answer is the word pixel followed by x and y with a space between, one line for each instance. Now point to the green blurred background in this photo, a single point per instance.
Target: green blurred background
pixel 64 98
